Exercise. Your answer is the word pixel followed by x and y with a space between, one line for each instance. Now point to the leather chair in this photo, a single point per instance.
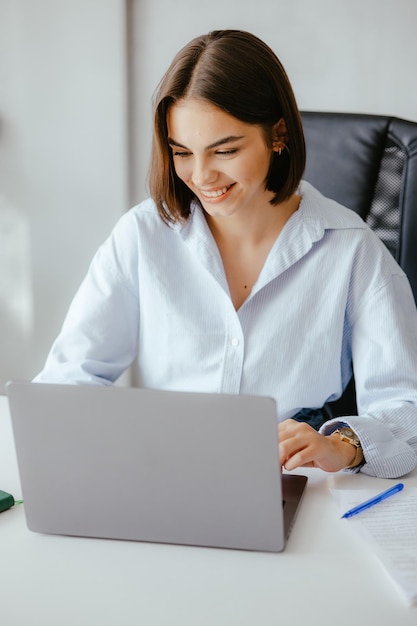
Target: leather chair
pixel 368 163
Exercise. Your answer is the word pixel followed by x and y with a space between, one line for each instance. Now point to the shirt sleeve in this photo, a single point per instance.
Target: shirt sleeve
pixel 384 354
pixel 98 339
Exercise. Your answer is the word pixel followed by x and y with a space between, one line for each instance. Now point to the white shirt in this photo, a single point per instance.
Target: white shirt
pixel 329 293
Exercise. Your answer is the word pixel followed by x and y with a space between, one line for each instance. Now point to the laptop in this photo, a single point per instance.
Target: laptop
pixel 174 467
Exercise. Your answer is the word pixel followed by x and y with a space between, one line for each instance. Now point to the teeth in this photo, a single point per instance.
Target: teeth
pixel 215 194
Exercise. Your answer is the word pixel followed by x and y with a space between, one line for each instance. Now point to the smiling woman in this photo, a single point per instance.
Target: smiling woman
pixel 237 277
pixel 217 69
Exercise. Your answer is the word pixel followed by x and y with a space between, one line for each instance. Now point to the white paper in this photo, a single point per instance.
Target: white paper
pixel 390 528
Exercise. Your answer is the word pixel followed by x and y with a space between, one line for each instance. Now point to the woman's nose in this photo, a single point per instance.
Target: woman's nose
pixel 203 174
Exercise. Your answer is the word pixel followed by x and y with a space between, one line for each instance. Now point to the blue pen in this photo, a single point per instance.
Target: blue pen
pixel 373 501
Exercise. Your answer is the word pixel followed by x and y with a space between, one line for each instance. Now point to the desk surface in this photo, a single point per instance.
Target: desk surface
pixel 54 580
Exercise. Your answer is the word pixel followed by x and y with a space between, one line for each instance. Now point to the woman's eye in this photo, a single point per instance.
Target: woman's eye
pixel 181 154
pixel 227 153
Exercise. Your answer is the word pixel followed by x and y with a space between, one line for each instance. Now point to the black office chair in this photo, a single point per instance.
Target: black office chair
pixel 369 164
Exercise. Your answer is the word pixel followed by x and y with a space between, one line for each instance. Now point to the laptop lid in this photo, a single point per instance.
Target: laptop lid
pixel 160 466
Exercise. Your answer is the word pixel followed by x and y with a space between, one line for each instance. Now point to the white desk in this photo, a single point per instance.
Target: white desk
pixel 53 580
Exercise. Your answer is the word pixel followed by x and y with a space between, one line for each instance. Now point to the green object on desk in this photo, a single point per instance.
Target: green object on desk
pixel 6 501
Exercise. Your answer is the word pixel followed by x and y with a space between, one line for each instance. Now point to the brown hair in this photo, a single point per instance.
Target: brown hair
pixel 240 74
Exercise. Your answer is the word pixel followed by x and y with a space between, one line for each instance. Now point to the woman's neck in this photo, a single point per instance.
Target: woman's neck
pixel 244 245
pixel 252 229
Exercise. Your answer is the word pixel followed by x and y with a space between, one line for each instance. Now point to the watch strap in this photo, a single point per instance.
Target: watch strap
pixel 357 460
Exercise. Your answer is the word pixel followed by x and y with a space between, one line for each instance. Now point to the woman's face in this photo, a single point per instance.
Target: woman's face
pixel 225 162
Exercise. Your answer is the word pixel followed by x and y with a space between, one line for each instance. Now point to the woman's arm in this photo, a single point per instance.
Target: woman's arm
pixel 98 340
pixel 384 352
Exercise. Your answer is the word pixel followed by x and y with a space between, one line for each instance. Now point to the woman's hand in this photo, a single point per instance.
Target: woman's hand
pixel 302 446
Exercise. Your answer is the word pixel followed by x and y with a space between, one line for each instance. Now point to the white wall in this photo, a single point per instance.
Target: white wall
pixel 72 156
pixel 63 156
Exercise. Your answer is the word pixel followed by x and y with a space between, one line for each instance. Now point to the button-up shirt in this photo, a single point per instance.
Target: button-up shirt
pixel 329 294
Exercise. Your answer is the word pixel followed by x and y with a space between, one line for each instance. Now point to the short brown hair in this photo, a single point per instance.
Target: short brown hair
pixel 240 74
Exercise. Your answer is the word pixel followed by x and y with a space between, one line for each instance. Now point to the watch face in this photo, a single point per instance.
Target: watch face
pixel 347 434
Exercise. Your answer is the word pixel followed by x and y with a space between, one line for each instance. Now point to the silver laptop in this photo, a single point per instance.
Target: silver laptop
pixel 160 466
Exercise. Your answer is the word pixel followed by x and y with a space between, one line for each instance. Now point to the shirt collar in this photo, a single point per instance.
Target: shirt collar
pixel 320 213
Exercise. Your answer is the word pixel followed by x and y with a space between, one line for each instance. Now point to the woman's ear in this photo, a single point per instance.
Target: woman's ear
pixel 279 136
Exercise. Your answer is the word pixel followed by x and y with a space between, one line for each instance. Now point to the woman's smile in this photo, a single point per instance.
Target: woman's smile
pixel 216 195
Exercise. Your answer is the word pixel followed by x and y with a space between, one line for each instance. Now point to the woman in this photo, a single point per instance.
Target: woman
pixel 237 277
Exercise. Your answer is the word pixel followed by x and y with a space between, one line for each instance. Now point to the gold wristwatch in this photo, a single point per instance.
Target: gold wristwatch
pixel 348 435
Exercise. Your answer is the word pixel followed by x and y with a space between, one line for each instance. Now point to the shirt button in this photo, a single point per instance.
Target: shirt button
pixel 235 342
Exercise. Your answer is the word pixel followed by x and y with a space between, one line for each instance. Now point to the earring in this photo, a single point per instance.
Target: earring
pixel 280 147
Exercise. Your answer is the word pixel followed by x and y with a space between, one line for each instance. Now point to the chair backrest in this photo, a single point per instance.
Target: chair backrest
pixel 369 164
